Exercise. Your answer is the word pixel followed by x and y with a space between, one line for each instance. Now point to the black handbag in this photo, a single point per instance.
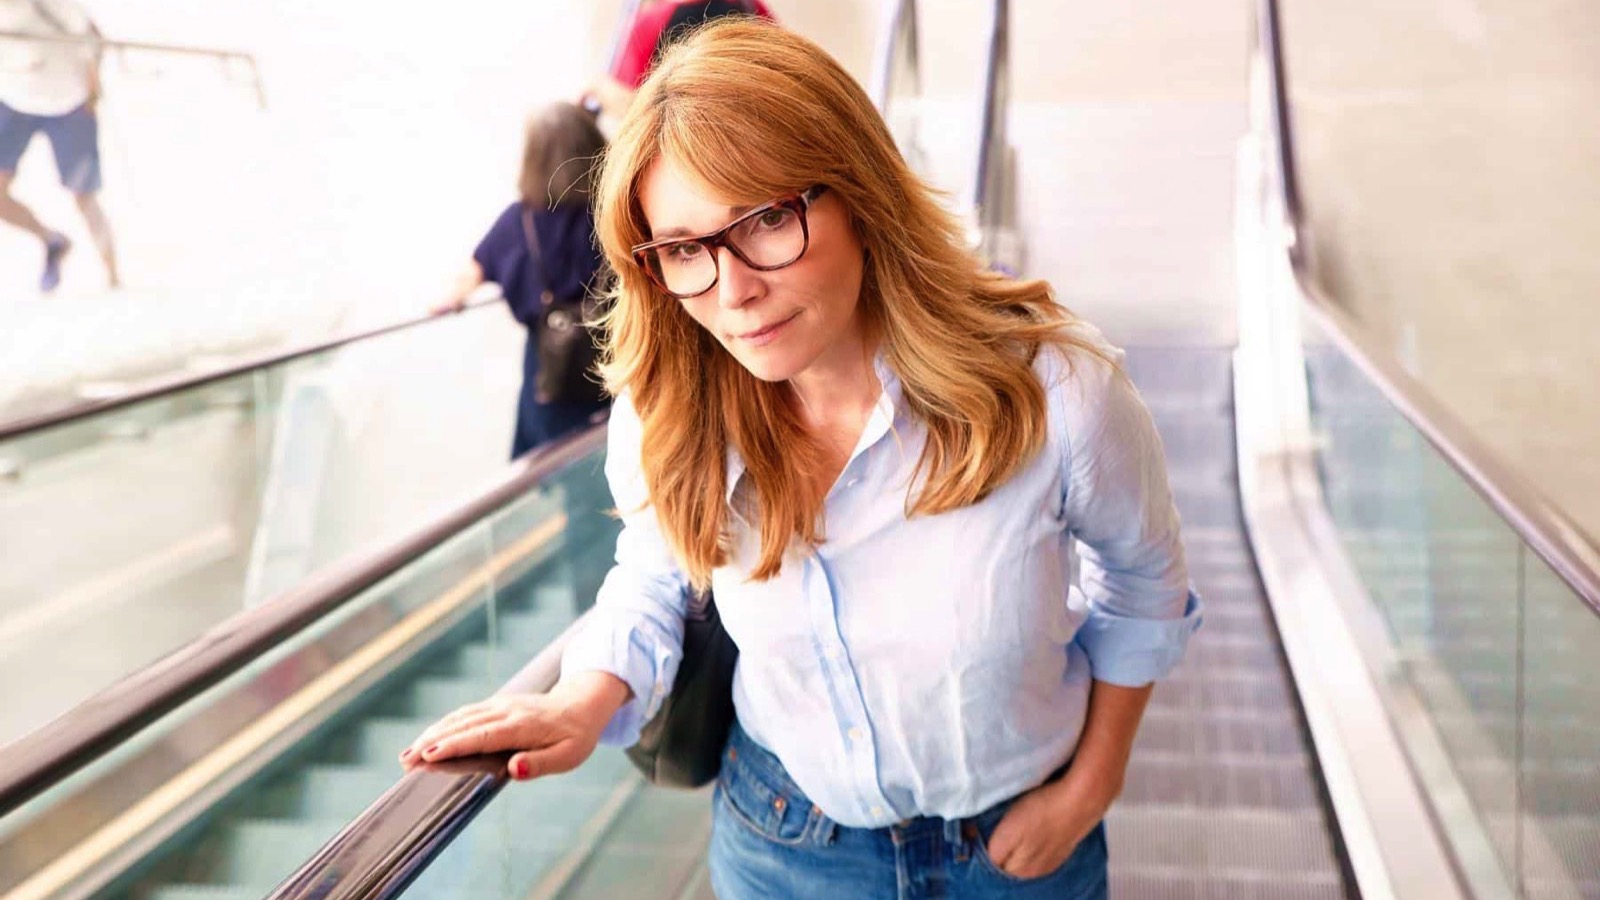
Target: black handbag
pixel 568 343
pixel 681 746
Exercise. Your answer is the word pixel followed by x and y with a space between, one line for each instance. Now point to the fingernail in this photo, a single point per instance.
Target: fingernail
pixel 406 754
pixel 431 750
pixel 519 769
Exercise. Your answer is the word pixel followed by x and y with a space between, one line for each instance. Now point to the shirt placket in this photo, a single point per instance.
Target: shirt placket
pixel 855 731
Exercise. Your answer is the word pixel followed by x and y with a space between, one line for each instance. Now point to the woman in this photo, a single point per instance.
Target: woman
pixel 892 467
pixel 541 251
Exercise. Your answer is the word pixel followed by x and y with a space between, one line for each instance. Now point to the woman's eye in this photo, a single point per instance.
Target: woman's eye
pixel 684 252
pixel 773 218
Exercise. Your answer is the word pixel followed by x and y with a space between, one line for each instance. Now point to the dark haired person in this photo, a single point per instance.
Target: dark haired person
pixel 541 249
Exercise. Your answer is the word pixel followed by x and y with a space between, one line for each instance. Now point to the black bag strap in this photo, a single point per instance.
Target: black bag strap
pixel 531 237
pixel 536 255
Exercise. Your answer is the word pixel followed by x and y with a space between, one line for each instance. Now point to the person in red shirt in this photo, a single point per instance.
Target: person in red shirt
pixel 654 25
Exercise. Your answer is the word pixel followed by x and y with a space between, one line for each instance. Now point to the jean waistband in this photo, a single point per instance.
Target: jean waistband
pixel 745 751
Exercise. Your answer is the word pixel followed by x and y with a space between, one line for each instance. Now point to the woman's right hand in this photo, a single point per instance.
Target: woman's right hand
pixel 546 733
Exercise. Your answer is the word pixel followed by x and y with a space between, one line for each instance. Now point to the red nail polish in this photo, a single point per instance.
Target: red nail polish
pixel 519 769
pixel 407 753
pixel 431 750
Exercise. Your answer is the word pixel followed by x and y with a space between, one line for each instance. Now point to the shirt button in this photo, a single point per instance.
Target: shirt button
pixel 877 811
pixel 852 482
pixel 856 734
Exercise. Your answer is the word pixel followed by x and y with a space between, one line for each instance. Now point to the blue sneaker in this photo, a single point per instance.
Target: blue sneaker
pixel 55 249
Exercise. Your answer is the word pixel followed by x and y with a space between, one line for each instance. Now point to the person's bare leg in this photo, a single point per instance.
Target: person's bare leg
pixel 14 213
pixel 100 229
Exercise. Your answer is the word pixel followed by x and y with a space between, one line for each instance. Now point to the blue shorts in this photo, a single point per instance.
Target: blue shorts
pixel 768 842
pixel 75 138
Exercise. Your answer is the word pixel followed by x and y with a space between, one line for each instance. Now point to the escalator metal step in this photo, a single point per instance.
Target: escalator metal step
pixel 204 892
pixel 263 852
pixel 1198 841
pixel 343 792
pixel 1171 884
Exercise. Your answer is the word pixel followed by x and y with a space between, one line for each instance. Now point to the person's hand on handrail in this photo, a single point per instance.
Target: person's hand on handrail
pixel 471 279
pixel 546 733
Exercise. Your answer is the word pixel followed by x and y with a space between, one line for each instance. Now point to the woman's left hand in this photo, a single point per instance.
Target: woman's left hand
pixel 1044 826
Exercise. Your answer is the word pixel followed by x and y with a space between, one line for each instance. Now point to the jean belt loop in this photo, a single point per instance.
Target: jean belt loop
pixel 823 828
pixel 953 836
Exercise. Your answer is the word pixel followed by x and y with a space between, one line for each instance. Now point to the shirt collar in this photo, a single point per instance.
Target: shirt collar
pixel 879 423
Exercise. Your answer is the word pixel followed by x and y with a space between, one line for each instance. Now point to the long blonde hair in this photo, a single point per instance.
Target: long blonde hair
pixel 754 111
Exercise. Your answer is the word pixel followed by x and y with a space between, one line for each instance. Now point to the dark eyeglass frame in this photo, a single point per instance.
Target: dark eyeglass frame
pixel 800 203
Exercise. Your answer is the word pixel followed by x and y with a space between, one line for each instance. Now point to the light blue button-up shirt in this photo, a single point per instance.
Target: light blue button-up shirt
pixel 934 665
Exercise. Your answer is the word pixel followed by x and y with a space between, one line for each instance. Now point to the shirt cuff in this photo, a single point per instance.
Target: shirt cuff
pixel 644 660
pixel 1133 652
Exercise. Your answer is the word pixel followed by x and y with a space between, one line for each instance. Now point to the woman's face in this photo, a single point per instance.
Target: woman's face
pixel 777 324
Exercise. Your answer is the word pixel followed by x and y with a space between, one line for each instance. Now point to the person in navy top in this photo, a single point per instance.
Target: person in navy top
pixel 559 258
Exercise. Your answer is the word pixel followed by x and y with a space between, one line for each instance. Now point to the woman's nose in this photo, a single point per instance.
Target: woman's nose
pixel 737 283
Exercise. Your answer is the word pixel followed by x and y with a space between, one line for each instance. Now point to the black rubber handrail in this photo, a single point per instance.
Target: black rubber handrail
pixel 1554 537
pixel 167 387
pixel 383 850
pixel 45 757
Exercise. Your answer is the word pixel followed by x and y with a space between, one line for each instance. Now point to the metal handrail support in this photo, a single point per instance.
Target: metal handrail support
pixel 102 45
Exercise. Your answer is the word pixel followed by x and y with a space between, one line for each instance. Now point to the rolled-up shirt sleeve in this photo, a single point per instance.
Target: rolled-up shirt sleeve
pixel 635 630
pixel 1119 507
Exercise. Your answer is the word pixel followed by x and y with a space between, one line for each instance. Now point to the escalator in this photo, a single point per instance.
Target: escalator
pixel 1224 795
pixel 278 758
pixel 1245 781
pixel 599 832
pixel 170 508
pixel 246 845
pixel 1223 791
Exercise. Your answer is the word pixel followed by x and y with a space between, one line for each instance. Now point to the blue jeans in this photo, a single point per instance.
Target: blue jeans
pixel 769 842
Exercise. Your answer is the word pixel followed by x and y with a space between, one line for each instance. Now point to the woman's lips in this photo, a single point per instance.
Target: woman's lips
pixel 768 334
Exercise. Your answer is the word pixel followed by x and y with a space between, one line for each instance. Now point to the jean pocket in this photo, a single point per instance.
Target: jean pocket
pixel 761 806
pixel 1086 864
pixel 980 850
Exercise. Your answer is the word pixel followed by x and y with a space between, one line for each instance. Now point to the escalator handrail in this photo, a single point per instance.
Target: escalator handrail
pixel 380 852
pixel 1564 546
pixel 48 755
pixel 900 26
pixel 84 409
pixel 991 124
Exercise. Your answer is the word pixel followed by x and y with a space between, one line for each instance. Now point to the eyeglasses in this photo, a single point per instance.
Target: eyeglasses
pixel 765 238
